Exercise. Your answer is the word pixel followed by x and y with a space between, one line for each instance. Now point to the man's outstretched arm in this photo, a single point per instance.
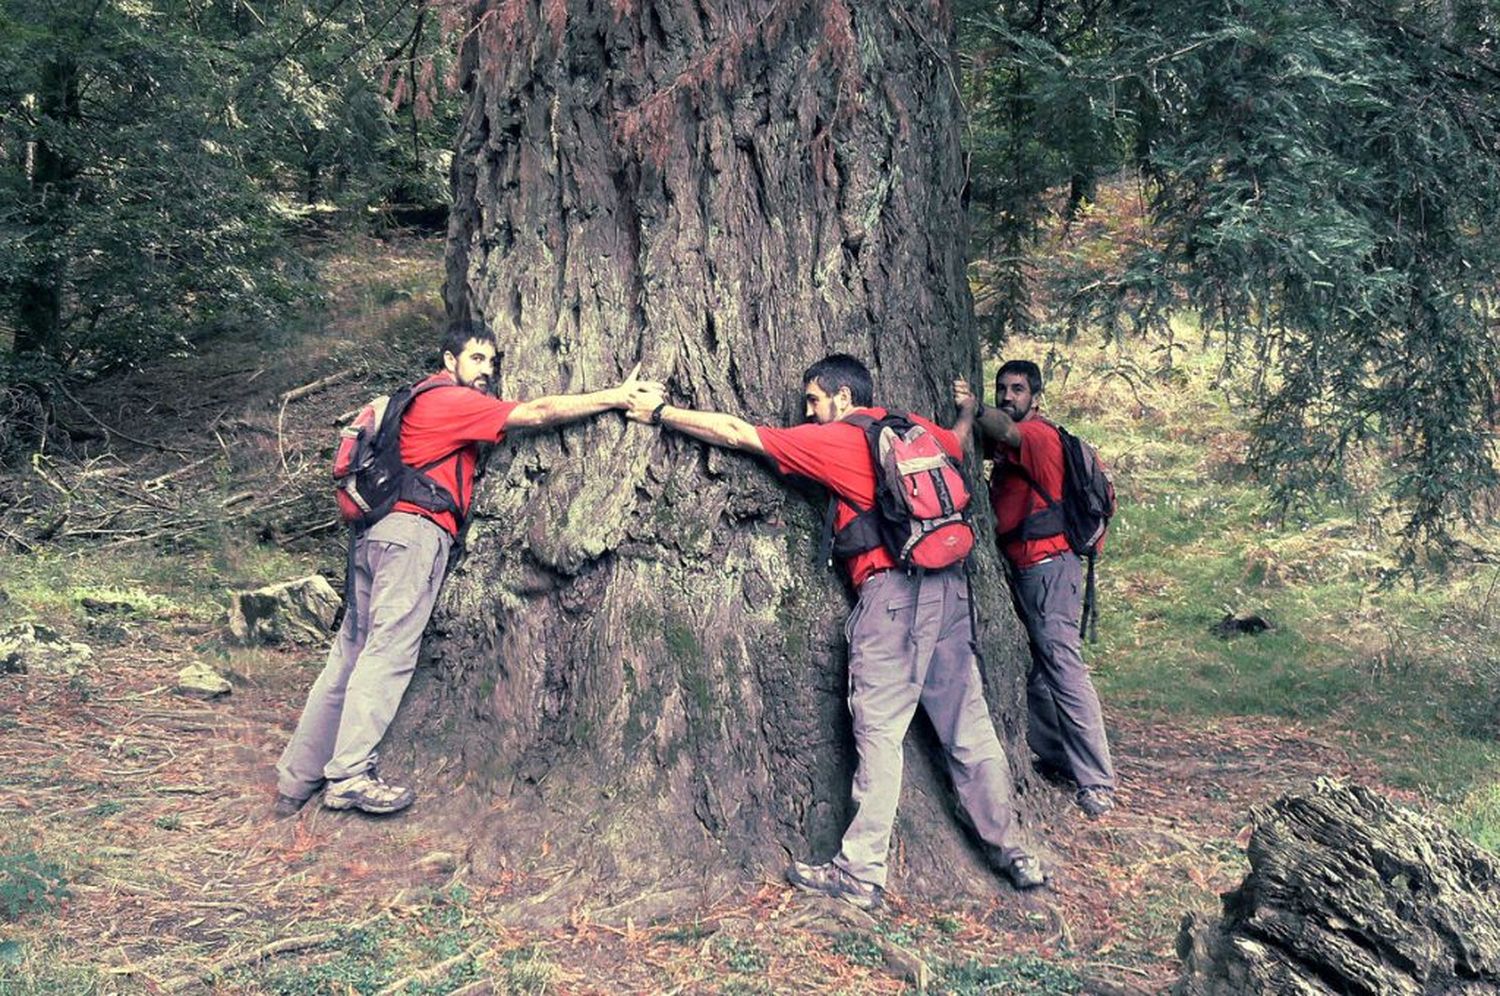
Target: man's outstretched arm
pixel 557 409
pixel 716 428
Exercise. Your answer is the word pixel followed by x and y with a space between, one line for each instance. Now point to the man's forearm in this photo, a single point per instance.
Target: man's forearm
pixel 718 428
pixel 964 427
pixel 556 409
pixel 995 425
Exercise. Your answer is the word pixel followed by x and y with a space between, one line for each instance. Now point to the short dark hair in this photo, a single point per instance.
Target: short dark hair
pixel 1025 368
pixel 458 334
pixel 842 370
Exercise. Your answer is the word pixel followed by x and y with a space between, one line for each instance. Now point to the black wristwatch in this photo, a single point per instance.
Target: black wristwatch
pixel 979 408
pixel 656 413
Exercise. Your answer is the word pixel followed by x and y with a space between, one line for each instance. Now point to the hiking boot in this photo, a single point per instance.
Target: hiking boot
pixel 1025 872
pixel 1095 801
pixel 367 793
pixel 287 805
pixel 832 881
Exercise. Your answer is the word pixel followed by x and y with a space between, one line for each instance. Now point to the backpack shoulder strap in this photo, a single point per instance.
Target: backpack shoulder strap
pixel 418 487
pixel 862 520
pixel 1043 518
pixel 409 395
pixel 870 426
pixel 1019 469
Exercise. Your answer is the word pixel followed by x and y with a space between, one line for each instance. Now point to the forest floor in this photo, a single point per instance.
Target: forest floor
pixel 137 852
pixel 156 806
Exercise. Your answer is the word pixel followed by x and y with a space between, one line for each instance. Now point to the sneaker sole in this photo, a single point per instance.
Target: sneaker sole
pixel 858 902
pixel 375 809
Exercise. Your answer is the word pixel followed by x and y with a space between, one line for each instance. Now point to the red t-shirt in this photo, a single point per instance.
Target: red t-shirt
pixel 446 424
pixel 837 456
pixel 1013 498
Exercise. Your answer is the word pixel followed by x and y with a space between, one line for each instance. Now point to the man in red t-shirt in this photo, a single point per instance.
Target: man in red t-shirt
pixel 910 639
pixel 397 566
pixel 1066 727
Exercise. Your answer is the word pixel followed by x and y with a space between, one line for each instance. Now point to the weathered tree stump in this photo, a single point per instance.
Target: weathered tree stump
pixel 1349 893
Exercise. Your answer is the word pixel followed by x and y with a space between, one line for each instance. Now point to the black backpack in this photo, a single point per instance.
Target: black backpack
pixel 368 475
pixel 1081 513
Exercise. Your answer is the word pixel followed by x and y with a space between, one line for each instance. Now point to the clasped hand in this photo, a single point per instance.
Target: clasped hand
pixel 634 393
pixel 963 395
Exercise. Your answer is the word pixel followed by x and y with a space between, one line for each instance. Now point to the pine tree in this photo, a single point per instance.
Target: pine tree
pixel 1323 194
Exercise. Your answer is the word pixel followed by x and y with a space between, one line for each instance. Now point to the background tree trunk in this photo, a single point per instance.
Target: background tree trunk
pixel 39 299
pixel 1348 893
pixel 640 659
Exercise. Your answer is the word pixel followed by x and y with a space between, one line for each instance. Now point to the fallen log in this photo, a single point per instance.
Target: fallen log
pixel 1350 894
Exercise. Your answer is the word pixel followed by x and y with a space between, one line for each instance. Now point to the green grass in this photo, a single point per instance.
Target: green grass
pixel 1022 976
pixel 1478 816
pixel 357 961
pixel 741 955
pixel 26 970
pixel 137 583
pixel 861 949
pixel 30 884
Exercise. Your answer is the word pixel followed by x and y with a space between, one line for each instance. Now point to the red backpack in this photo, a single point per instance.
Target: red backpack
pixel 922 498
pixel 368 475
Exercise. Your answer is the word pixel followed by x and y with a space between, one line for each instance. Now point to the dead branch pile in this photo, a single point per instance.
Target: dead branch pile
pixel 173 468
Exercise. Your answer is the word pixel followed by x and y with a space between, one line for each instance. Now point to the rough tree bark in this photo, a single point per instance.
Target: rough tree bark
pixel 1349 894
pixel 640 660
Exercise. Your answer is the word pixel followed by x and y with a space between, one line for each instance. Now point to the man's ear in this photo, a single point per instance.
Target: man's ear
pixel 450 362
pixel 843 398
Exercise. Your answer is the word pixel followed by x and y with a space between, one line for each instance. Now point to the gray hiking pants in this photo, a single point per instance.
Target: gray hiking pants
pixel 909 644
pixel 398 566
pixel 1066 726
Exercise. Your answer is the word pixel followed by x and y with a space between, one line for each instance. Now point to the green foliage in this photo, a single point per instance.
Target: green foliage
pixel 861 949
pixel 360 963
pixel 741 955
pixel 1319 183
pixel 29 883
pixel 133 218
pixel 154 158
pixel 1478 816
pixel 376 956
pixel 1022 976
pixel 690 933
pixel 528 970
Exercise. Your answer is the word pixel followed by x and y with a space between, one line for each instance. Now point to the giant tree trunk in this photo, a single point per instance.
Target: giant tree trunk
pixel 640 659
